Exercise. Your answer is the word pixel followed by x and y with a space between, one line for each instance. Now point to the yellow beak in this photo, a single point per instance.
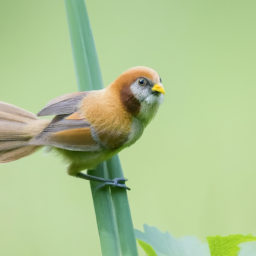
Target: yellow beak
pixel 158 88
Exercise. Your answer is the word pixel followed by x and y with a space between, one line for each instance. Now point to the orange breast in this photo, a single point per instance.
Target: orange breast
pixel 104 111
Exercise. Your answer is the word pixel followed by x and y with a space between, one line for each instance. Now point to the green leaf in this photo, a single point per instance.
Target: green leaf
pixel 147 248
pixel 165 244
pixel 227 245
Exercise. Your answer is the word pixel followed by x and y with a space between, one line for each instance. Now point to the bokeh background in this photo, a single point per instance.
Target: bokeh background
pixel 192 173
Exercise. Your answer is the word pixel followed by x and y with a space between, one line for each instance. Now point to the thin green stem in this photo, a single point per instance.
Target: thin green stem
pixel 88 78
pixel 105 215
pixel 114 221
pixel 122 210
pixel 77 23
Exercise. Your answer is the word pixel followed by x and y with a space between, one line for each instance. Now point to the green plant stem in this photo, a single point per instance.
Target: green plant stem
pixel 122 210
pixel 76 23
pixel 88 71
pixel 105 215
pixel 89 78
pixel 84 52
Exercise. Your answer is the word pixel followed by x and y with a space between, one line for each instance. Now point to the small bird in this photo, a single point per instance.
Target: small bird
pixel 89 127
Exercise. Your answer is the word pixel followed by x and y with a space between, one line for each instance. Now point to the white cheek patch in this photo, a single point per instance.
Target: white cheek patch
pixel 153 99
pixel 139 92
pixel 143 94
pixel 149 102
pixel 161 98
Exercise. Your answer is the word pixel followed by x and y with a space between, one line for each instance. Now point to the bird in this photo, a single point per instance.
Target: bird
pixel 89 127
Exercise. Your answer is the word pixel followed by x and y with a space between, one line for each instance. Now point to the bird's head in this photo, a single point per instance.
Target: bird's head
pixel 141 92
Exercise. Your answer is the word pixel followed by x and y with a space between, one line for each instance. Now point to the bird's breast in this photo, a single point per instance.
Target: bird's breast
pixel 135 132
pixel 111 124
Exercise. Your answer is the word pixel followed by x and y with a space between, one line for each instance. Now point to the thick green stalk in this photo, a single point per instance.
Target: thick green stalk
pixel 84 50
pixel 89 77
pixel 105 215
pixel 76 21
pixel 122 210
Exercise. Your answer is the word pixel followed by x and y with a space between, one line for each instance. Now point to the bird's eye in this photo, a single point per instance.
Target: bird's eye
pixel 142 81
pixel 160 79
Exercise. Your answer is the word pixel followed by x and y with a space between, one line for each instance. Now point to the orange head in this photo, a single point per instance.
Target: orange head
pixel 140 91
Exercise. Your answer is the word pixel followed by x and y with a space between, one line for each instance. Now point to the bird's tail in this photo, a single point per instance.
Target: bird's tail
pixel 17 127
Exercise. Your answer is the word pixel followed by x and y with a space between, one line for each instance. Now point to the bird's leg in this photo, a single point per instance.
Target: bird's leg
pixel 117 182
pixel 90 177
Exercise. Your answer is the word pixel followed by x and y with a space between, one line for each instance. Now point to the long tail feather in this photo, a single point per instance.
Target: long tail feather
pixel 11 109
pixel 15 154
pixel 17 127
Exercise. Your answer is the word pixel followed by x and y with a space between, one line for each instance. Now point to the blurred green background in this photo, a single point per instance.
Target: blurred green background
pixel 192 173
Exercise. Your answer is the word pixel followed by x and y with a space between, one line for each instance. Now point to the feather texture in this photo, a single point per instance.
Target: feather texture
pixel 63 105
pixel 79 139
pixel 17 153
pixel 88 127
pixel 110 122
pixel 63 122
pixel 67 133
pixel 12 130
pixel 19 113
pixel 17 127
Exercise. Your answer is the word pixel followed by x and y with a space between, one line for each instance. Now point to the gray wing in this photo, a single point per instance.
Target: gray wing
pixel 63 105
pixel 68 130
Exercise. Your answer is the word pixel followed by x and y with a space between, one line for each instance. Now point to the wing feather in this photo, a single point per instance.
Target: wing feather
pixel 71 132
pixel 65 104
pixel 79 139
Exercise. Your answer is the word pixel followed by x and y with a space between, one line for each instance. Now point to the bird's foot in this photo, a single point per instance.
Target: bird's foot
pixel 117 182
